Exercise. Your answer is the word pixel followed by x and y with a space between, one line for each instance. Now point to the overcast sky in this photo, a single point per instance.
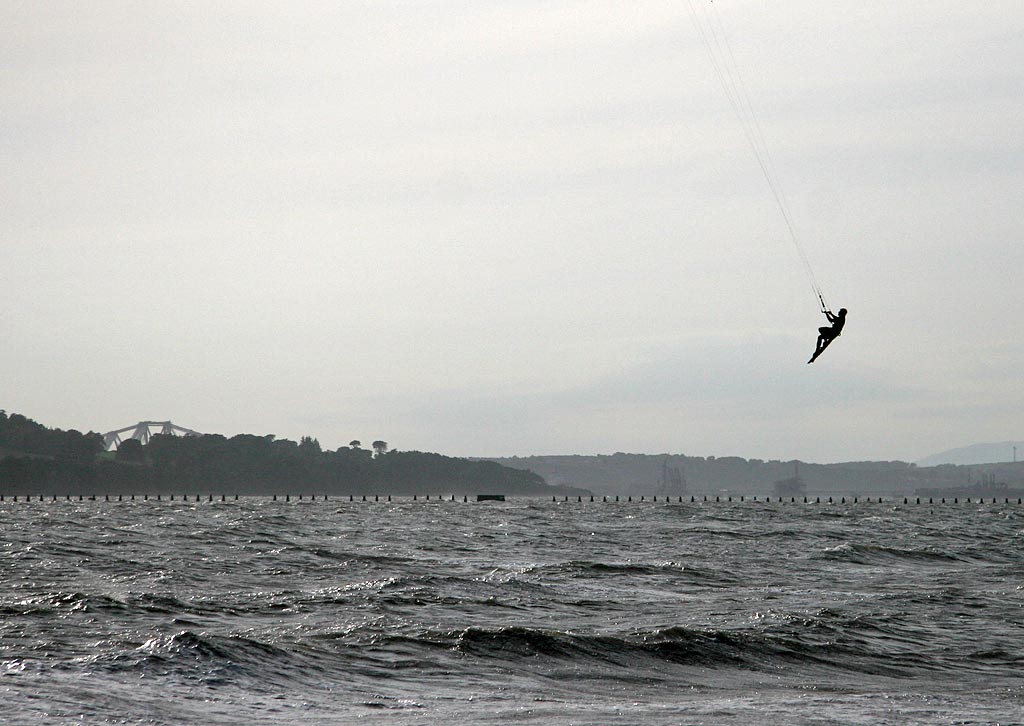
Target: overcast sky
pixel 515 227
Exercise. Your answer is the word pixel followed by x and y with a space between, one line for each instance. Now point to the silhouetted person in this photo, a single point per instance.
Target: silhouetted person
pixel 827 334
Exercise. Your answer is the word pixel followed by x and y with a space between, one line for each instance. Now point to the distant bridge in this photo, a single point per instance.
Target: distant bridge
pixel 143 430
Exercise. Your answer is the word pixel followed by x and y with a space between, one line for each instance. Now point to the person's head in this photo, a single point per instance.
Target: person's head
pixel 842 312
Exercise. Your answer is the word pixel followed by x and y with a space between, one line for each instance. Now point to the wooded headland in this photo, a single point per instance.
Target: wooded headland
pixel 36 460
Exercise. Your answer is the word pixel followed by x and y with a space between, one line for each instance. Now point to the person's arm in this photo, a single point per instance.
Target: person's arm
pixel 831 318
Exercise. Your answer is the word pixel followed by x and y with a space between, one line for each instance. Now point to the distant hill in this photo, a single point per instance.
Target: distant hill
pixel 976 454
pixel 640 474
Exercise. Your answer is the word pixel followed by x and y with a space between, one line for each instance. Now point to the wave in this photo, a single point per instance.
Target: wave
pixel 680 646
pixel 880 554
pixel 214 659
pixel 592 569
pixel 65 603
pixel 798 647
pixel 60 603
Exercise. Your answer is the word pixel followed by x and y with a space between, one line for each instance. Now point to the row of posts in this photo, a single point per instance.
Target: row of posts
pixel 199 497
pixel 465 498
pixel 806 500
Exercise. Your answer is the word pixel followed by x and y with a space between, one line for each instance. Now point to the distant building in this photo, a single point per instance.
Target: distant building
pixel 794 486
pixel 987 487
pixel 673 482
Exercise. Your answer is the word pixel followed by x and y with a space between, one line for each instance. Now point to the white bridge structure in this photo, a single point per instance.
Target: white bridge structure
pixel 143 430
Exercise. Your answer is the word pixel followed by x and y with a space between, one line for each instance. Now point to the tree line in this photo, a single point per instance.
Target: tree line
pixel 42 461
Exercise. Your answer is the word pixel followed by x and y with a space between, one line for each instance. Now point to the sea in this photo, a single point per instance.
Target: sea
pixel 527 611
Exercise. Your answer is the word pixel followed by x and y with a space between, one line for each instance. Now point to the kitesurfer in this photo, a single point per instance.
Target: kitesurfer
pixel 829 333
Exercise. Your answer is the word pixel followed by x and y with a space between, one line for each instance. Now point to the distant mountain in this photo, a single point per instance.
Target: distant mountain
pixel 976 454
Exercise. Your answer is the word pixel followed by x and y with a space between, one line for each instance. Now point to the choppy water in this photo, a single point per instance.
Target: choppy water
pixel 525 611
